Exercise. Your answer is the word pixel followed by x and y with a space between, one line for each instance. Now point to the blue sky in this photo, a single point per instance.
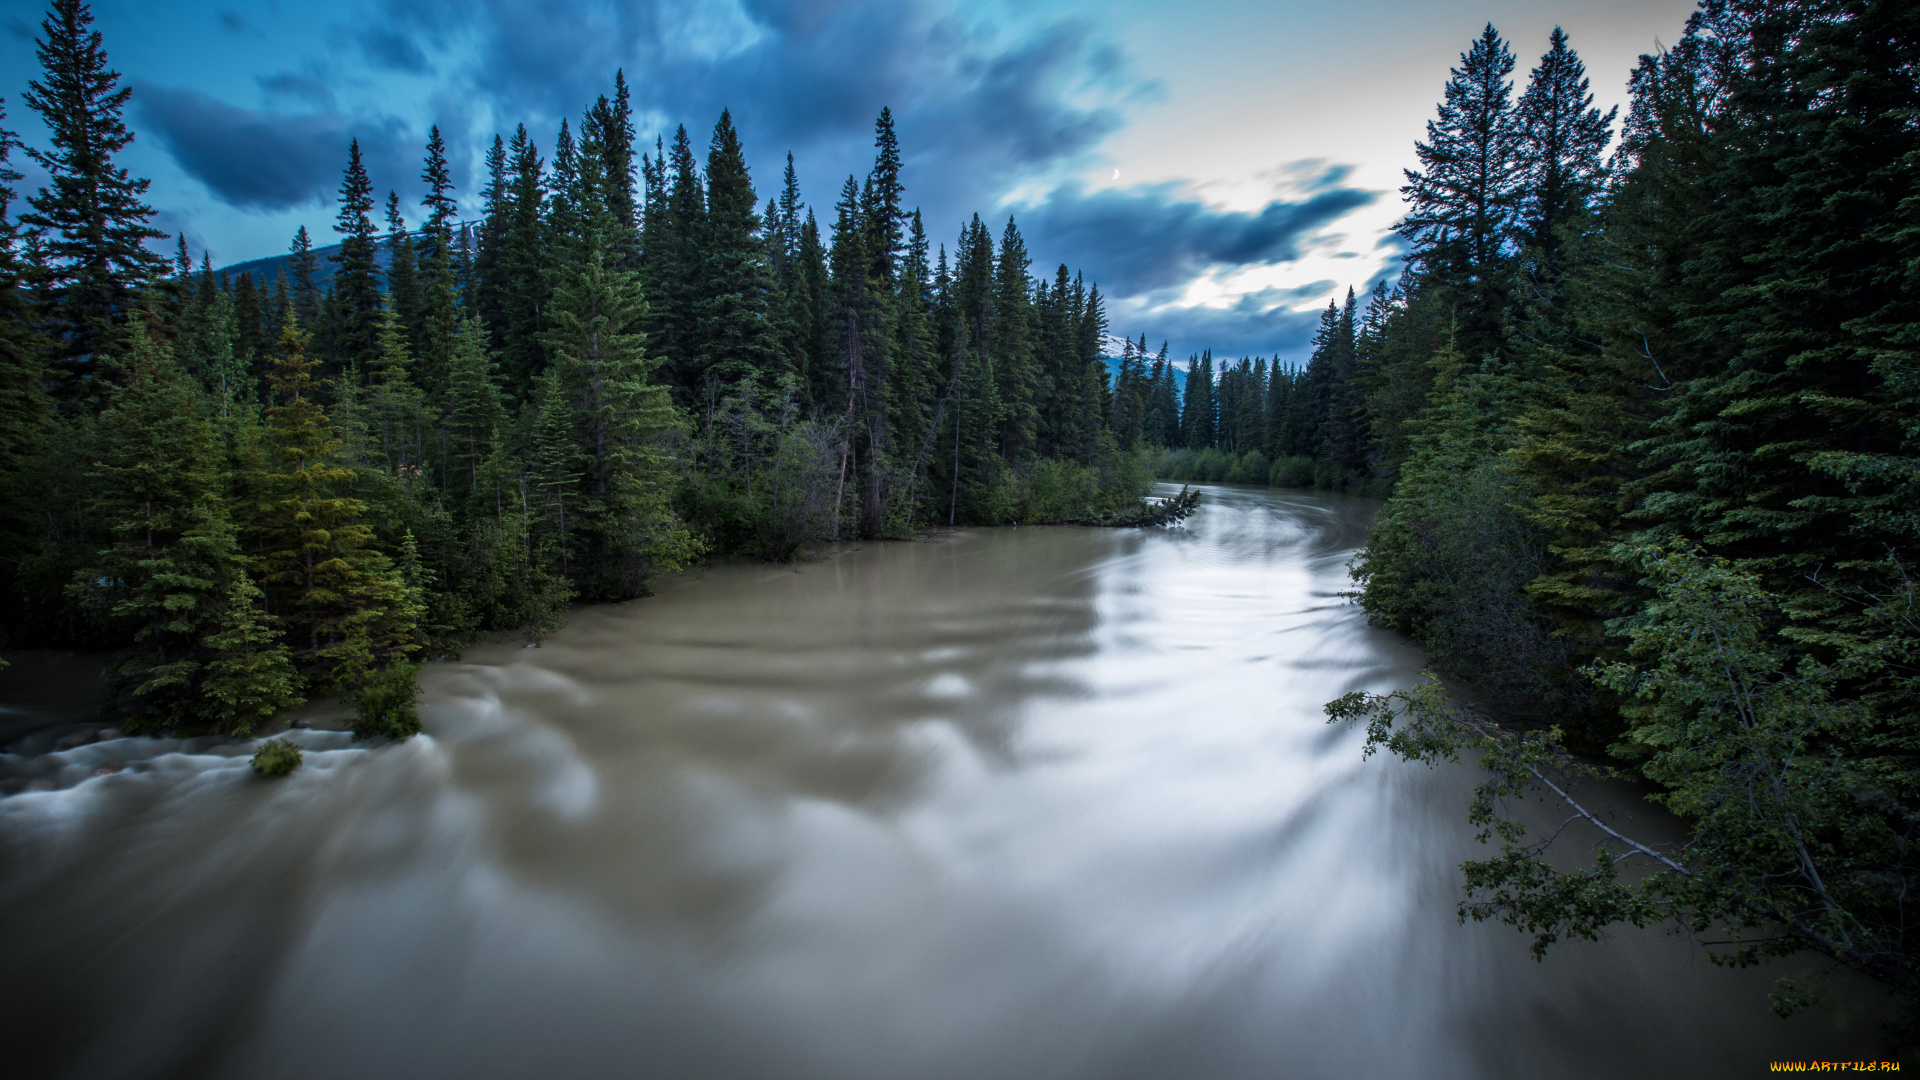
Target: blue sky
pixel 1220 167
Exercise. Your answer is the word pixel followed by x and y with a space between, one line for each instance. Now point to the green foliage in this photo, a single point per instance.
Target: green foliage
pixel 765 480
pixel 276 757
pixel 387 704
pixel 1251 467
pixel 1797 799
pixel 594 387
pixel 92 251
pixel 1291 472
pixel 250 678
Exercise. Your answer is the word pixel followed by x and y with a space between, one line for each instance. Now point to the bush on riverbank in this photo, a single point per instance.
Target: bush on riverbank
pixel 276 757
pixel 388 704
pixel 1215 466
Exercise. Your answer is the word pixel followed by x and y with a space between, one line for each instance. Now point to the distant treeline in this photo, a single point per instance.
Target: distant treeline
pixel 257 490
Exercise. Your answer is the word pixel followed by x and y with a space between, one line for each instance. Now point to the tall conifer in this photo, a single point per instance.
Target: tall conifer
pixel 94 222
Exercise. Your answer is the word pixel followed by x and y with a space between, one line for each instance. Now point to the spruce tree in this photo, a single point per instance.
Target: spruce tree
pixel 885 222
pixel 526 258
pixel 156 495
pixel 249 673
pixel 474 411
pixel 305 268
pixel 93 222
pixel 1461 202
pixel 345 610
pixel 403 277
pixel 735 335
pixel 1558 137
pixel 676 246
pixel 352 325
pixel 1011 341
pixel 26 412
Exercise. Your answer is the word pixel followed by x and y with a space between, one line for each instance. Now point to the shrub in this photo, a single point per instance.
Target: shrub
pixel 276 757
pixel 387 704
pixel 1295 471
pixel 1175 466
pixel 1251 468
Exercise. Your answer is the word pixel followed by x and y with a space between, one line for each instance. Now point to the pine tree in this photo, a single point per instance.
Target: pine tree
pixel 474 411
pixel 1011 341
pixel 249 674
pixel 403 278
pixel 1460 205
pixel 1558 137
pixel 885 222
pixel 395 410
pixel 354 311
pixel 554 471
pixel 676 243
pixel 305 266
pixel 612 124
pixel 156 493
pixel 1197 404
pixel 26 412
pixel 439 307
pixel 489 296
pixel 628 530
pixel 95 225
pixel 526 257
pixel 735 336
pixel 345 610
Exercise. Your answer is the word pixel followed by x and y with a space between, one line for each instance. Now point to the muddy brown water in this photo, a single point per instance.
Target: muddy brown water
pixel 1009 803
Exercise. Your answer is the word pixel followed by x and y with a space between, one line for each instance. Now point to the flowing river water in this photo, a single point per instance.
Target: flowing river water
pixel 1003 803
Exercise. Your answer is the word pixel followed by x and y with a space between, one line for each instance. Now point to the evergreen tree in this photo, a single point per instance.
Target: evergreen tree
pixel 353 319
pixel 156 494
pixel 1558 137
pixel 403 278
pixel 345 611
pixel 1010 339
pixel 249 674
pixel 676 246
pixel 94 224
pixel 305 266
pixel 526 259
pixel 1461 203
pixel 432 342
pixel 474 411
pixel 735 336
pixel 26 413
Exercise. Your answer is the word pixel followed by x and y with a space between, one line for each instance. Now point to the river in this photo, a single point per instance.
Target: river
pixel 1009 803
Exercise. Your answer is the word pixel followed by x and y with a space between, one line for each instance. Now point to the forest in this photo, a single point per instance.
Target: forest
pixel 1645 411
pixel 1642 408
pixel 256 491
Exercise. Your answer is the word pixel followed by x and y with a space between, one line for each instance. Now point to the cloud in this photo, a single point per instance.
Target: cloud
pixel 268 161
pixel 1137 241
pixel 1262 323
pixel 305 89
pixel 390 50
pixel 978 109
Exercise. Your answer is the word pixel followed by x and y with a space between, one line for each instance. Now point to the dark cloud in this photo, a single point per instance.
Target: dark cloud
pixel 306 89
pixel 392 51
pixel 269 161
pixel 1262 323
pixel 976 113
pixel 1137 241
pixel 232 22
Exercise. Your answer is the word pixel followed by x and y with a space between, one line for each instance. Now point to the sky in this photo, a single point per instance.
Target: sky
pixel 1221 168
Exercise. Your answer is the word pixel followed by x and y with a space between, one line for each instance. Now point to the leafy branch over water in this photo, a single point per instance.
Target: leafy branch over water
pixel 1798 804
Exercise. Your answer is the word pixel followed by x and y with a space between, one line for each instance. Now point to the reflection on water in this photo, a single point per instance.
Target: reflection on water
pixel 1011 803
